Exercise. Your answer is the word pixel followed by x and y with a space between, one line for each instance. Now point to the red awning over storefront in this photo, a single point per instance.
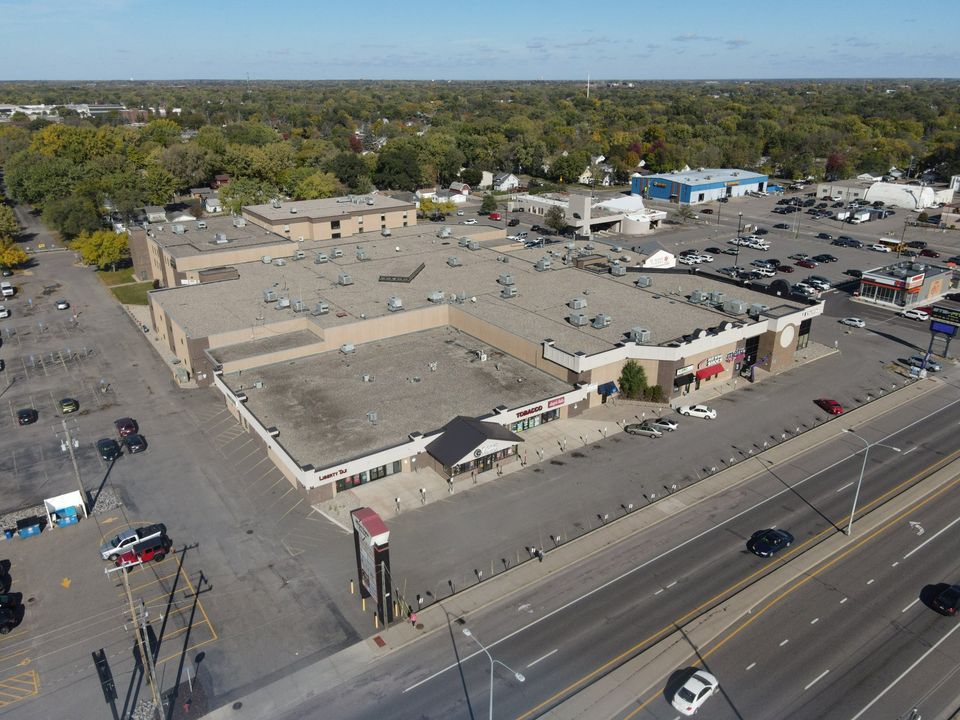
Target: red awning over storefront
pixel 709 371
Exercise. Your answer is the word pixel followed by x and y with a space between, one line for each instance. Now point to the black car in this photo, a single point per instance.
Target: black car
pixel 714 250
pixel 513 222
pixel 854 273
pixel 135 443
pixel 824 258
pixel 918 244
pixel 825 236
pixel 948 601
pixel 782 226
pixel 952 296
pixel 9 618
pixel 108 449
pixel 27 416
pixel 767 543
pixel 955 260
pixel 760 231
pixel 535 228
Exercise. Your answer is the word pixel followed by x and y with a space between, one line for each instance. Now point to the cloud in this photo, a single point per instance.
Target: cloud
pixel 587 42
pixel 693 37
pixel 858 42
pixel 737 43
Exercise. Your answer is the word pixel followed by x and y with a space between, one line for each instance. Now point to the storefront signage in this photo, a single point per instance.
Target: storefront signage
pixel 659 184
pixel 556 402
pixel 737 354
pixel 530 411
pixel 731 183
pixel 915 281
pixel 945 314
pixel 684 370
pixel 333 473
pixel 712 360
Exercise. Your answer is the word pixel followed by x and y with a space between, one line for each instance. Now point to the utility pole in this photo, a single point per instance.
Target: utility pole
pixel 68 441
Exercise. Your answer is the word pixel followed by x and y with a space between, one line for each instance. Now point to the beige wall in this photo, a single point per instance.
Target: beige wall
pixel 295 227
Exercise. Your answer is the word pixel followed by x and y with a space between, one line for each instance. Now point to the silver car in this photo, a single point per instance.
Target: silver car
pixel 645 429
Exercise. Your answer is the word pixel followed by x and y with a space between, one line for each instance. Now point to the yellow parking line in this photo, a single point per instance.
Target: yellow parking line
pixel 19 687
pixel 4 658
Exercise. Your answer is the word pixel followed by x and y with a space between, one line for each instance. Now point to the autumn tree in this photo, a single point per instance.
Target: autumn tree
pixel 9 225
pixel 11 255
pixel 103 248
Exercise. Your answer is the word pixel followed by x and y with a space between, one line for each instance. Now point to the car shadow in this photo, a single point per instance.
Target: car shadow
pixel 679 677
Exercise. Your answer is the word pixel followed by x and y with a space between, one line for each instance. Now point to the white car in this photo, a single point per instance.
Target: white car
pixel 62 305
pixel 853 322
pixel 879 248
pixel 459 212
pixel 688 260
pixel 700 411
pixel 914 314
pixel 469 221
pixel 695 692
pixel 764 271
pixel 704 257
pixel 4 313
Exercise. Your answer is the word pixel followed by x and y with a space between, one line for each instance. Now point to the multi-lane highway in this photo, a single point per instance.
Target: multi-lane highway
pixel 585 620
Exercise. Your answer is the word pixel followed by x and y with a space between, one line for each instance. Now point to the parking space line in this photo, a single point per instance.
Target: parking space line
pixel 11 656
pixel 19 687
pixel 292 508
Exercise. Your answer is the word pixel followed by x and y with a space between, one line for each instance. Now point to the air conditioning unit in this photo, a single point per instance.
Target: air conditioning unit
pixel 757 309
pixel 578 319
pixel 321 308
pixel 643 281
pixel 337 252
pixel 508 292
pixel 178 229
pixel 473 245
pixel 454 262
pixel 239 222
pixel 279 262
pixel 202 225
pixel 348 348
pixel 640 335
pixel 602 320
pixel 394 303
pixel 717 297
pixel 266 259
pixel 220 239
pixel 618 270
pixel 344 279
pixel 735 307
pixel 435 297
pixel 699 297
pixel 361 254
pixel 578 303
pixel 283 302
pixel 320 258
pixel 299 306
pixel 463 242
pixel 505 279
pixel 542 265
pixel 299 255
pixel 269 296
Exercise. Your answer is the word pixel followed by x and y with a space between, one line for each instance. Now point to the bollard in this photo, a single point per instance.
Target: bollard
pixel 351 587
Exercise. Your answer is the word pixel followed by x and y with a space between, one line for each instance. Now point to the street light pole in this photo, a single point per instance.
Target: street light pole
pixel 518 676
pixel 736 260
pixel 856 495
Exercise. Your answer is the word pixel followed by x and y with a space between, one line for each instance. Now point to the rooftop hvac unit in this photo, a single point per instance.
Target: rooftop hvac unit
pixel 394 303
pixel 279 262
pixel 320 258
pixel 275 204
pixel 239 222
pixel 361 254
pixel 337 252
pixel 321 308
pixel 463 242
pixel 699 297
pixel 178 229
pixel 202 225
pixel 283 302
pixel 473 245
pixel 578 319
pixel 717 297
pixel 299 306
pixel 757 309
pixel 443 232
pixel 505 279
pixel 344 279
pixel 266 259
pixel 435 297
pixel 481 355
pixel 578 303
pixel 293 211
pixel 220 239
pixel 286 228
pixel 348 348
pixel 454 261
pixel 640 335
pixel 643 281
pixel 299 255
pixel 602 320
pixel 542 264
pixel 269 296
pixel 618 270
pixel 735 307
pixel 509 292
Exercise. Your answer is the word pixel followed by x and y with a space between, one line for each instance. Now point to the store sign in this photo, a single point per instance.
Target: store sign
pixel 948 315
pixel 712 360
pixel 556 402
pixel 914 281
pixel 659 184
pixel 738 354
pixel 529 411
pixel 686 369
pixel 332 473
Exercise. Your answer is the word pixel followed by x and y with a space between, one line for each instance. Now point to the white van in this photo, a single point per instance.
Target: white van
pixel 6 289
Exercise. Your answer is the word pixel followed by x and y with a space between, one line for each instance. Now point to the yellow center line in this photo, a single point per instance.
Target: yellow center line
pixel 667 629
pixel 810 575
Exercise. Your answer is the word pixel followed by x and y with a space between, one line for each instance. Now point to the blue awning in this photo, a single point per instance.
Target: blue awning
pixel 607 389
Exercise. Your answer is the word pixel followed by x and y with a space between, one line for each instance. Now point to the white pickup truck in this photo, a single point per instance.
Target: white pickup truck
pixel 6 289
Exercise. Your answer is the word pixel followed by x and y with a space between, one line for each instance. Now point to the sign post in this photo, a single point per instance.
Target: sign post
pixel 371 543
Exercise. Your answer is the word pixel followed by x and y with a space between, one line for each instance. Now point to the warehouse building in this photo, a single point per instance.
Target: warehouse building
pixel 695 187
pixel 909 195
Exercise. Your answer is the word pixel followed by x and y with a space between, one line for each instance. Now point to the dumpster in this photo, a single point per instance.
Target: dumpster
pixel 65 516
pixel 28 527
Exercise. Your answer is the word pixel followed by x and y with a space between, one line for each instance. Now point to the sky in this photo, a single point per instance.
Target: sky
pixel 486 40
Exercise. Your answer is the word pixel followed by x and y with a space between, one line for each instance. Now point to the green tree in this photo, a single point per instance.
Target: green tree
pixel 683 213
pixel 189 163
pixel 398 167
pixel 633 380
pixel 246 191
pixel 9 225
pixel 352 171
pixel 31 178
pixel 316 185
pixel 471 176
pixel 162 131
pixel 489 203
pixel 10 254
pixel 158 185
pixel 567 168
pixel 103 248
pixel 555 219
pixel 70 216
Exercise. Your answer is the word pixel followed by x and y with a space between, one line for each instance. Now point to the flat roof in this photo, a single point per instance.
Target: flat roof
pixel 538 312
pixel 708 175
pixel 326 207
pixel 321 403
pixel 198 240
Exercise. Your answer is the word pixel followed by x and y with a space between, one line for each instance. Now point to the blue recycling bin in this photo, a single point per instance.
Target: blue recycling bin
pixel 28 527
pixel 7 534
pixel 66 516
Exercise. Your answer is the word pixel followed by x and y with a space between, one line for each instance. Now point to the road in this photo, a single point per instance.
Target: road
pixel 587 619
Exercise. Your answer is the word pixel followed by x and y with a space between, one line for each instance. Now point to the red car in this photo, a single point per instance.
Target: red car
pixel 807 263
pixel 927 252
pixel 155 549
pixel 126 426
pixel 831 406
pixel 784 269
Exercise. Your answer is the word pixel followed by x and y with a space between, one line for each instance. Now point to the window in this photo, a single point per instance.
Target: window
pixel 383 218
pixel 335 225
pixel 335 236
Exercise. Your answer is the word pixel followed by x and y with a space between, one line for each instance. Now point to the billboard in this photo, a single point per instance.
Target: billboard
pixel 945 314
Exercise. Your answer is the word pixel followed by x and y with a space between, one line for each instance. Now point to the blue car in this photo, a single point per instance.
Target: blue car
pixel 767 543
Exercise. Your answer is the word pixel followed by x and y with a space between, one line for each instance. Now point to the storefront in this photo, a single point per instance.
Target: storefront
pixel 682 379
pixel 536 415
pixel 708 369
pixel 345 483
pixel 470 445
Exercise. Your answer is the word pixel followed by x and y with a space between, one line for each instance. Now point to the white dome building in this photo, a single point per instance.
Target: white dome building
pixel 912 197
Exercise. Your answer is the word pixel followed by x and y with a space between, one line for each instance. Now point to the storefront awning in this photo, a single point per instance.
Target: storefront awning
pixel 607 388
pixel 683 380
pixel 709 371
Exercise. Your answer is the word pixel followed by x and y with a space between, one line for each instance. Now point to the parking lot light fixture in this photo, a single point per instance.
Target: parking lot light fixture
pixel 493 661
pixel 856 495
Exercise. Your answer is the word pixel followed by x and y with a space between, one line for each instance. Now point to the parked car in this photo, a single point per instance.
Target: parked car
pixel 665 424
pixel 798 256
pixel 108 449
pixel 4 312
pixel 644 429
pixel 927 252
pixel 9 618
pixel 955 297
pixel 914 314
pixel 62 305
pixel 918 244
pixel 707 211
pixel 807 263
pixel 784 269
pixel 877 247
pixel 695 692
pixel 819 282
pixel 781 226
pixel 699 411
pixel 714 250
pixel 853 322
pixel 125 540
pixel 825 236
pixel 469 221
pixel 135 442
pixel 854 273
pixel 68 405
pixel 831 406
pixel 126 426
pixel 155 548
pixel 513 222
pixel 917 361
pixel 824 258
pixel 27 416
pixel 769 542
pixel 947 601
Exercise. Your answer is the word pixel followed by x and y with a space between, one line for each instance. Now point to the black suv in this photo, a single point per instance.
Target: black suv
pixel 513 222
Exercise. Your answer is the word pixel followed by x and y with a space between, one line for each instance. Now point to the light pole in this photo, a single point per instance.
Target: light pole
pixel 736 260
pixel 518 676
pixel 856 495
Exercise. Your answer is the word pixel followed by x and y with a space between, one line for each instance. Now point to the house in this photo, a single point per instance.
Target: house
pixel 459 188
pixel 427 192
pixel 653 255
pixel 212 205
pixel 220 180
pixel 201 193
pixel 155 214
pixel 505 182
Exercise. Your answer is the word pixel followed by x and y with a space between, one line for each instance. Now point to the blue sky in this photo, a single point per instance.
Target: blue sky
pixel 490 39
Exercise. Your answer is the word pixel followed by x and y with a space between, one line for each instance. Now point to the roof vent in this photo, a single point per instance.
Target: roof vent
pixel 640 335
pixel 299 255
pixel 269 296
pixel 279 262
pixel 435 297
pixel 348 348
pixel 454 262
pixel 220 239
pixel 578 319
pixel 757 309
pixel 578 303
pixel 202 225
pixel 320 258
pixel 275 204
pixel 299 306
pixel 293 211
pixel 337 252
pixel 178 229
pixel 344 279
pixel 283 302
pixel 321 308
pixel 505 279
pixel 443 232
pixel 239 222
pixel 602 320
pixel 473 245
pixel 361 254
pixel 618 270
pixel 266 259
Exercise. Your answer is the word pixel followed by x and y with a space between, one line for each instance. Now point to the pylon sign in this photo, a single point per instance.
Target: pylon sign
pixel 371 540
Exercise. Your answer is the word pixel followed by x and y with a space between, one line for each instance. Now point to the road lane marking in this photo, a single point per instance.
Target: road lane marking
pixel 905 673
pixel 658 591
pixel 870 581
pixel 895 563
pixel 671 584
pixel 932 537
pixel 815 621
pixel 814 681
pixel 843 601
pixel 844 487
pixel 911 450
pixel 784 642
pixel 751 666
pixel 910 605
pixel 543 658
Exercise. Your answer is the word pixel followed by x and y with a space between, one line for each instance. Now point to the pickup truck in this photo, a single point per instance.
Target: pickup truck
pixel 124 541
pixel 6 289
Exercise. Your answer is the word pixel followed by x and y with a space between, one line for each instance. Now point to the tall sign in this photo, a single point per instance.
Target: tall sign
pixel 371 544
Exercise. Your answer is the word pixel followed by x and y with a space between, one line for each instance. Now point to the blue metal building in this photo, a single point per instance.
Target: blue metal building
pixel 698 186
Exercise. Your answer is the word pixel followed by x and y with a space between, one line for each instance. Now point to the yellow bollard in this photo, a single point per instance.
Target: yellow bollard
pixel 376 621
pixel 363 604
pixel 351 587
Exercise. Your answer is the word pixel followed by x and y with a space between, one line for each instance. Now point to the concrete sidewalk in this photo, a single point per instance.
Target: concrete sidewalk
pixel 309 682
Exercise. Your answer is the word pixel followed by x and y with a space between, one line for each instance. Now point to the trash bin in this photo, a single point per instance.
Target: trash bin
pixel 65 516
pixel 7 534
pixel 28 527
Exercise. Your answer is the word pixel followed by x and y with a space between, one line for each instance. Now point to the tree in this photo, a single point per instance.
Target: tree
pixel 162 131
pixel 10 254
pixel 489 203
pixel 683 213
pixel 398 167
pixel 31 178
pixel 567 168
pixel 70 216
pixel 189 163
pixel 246 191
pixel 471 176
pixel 555 219
pixel 429 206
pixel 9 226
pixel 103 248
pixel 316 185
pixel 352 171
pixel 633 380
pixel 159 185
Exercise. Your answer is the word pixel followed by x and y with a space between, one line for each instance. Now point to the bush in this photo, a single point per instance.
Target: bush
pixel 654 393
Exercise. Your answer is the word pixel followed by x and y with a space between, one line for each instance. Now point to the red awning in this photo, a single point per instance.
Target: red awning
pixel 709 371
